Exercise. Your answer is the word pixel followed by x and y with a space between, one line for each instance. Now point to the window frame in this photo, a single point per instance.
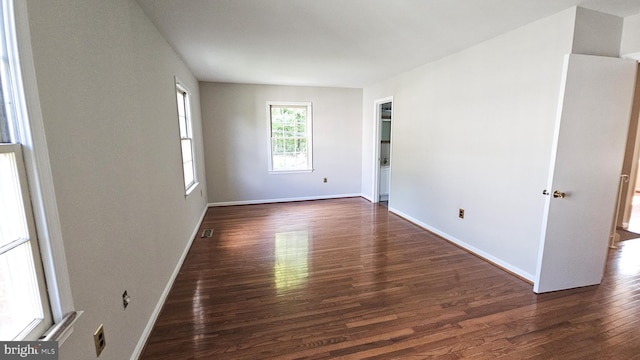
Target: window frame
pixel 45 318
pixel 186 135
pixel 28 130
pixel 309 135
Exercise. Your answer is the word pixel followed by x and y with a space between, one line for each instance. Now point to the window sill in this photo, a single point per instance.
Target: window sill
pixel 283 172
pixel 191 189
pixel 60 332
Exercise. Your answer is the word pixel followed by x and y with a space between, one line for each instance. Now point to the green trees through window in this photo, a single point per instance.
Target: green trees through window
pixel 290 126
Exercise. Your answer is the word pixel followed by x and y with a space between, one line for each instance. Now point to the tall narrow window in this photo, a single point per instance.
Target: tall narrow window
pixel 290 133
pixel 186 139
pixel 24 306
pixel 25 312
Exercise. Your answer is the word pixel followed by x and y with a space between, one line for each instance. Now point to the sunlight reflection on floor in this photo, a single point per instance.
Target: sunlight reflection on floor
pixel 629 261
pixel 291 257
pixel 634 221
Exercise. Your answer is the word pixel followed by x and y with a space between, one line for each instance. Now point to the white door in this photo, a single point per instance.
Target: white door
pixel 591 131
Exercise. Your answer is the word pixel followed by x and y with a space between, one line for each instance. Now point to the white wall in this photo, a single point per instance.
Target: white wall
pixel 236 147
pixel 597 33
pixel 105 78
pixel 474 131
pixel 630 44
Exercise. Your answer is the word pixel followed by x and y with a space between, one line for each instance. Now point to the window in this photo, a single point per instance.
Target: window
pixel 34 281
pixel 290 137
pixel 24 307
pixel 24 304
pixel 186 138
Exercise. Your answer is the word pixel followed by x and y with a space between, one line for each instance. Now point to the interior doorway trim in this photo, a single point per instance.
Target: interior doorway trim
pixel 377 133
pixel 630 165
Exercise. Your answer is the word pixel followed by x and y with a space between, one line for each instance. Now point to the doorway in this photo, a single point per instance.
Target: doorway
pixel 382 141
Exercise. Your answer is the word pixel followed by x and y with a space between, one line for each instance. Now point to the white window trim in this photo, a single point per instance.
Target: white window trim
pixel 309 106
pixel 187 190
pixel 42 318
pixel 38 168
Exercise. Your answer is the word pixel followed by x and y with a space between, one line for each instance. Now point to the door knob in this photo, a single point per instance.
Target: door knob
pixel 558 194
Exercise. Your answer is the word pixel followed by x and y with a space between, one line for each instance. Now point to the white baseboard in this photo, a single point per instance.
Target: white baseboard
pixel 488 257
pixel 267 201
pixel 163 297
pixel 366 197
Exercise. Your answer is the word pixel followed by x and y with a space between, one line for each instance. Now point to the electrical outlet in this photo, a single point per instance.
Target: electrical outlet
pixel 325 180
pixel 126 299
pixel 99 340
pixel 461 213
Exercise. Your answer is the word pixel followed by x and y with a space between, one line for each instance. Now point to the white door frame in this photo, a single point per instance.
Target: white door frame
pixel 635 157
pixel 377 136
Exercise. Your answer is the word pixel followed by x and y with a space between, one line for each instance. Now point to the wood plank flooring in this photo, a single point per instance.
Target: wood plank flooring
pixel 345 279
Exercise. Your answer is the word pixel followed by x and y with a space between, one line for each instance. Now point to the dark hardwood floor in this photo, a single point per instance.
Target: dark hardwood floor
pixel 346 279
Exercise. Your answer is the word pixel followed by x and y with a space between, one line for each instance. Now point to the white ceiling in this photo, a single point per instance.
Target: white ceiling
pixel 343 43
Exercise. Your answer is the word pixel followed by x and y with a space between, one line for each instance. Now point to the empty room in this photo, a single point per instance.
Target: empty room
pixel 334 179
